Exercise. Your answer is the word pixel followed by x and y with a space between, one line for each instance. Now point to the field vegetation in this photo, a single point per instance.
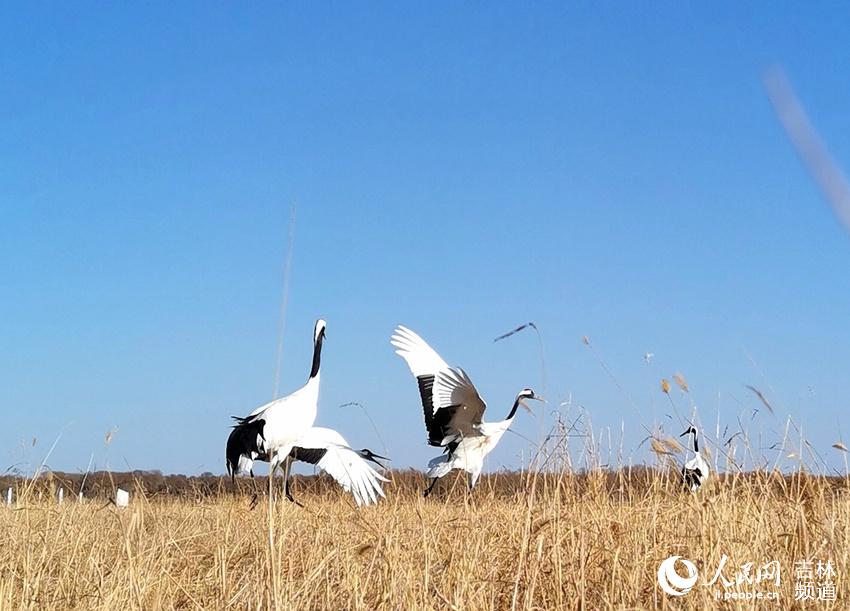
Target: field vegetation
pixel 562 540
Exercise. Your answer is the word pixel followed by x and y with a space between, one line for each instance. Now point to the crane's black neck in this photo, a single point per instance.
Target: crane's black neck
pixel 317 355
pixel 513 409
pixel 696 441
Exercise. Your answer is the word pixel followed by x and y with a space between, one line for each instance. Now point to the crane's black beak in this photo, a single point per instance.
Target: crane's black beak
pixel 370 455
pixel 685 433
pixel 525 405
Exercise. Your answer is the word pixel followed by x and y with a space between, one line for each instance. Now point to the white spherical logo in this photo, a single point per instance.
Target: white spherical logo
pixel 673 583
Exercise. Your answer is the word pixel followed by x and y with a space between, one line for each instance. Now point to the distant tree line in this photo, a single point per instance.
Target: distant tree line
pixel 154 485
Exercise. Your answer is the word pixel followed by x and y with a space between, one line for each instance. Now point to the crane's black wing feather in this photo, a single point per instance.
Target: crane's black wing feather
pixel 438 424
pixel 243 441
pixel 308 455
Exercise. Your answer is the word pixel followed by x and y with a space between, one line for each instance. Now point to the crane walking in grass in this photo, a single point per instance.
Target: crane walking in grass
pixel 272 430
pixel 453 410
pixel 696 470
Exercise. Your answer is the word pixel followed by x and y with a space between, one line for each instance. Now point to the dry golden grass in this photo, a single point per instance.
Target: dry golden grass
pixel 544 542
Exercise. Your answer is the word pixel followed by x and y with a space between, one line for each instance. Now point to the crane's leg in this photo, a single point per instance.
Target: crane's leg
pixel 286 467
pixel 430 487
pixel 254 500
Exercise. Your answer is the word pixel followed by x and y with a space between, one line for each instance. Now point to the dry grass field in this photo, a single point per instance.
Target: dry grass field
pixel 518 541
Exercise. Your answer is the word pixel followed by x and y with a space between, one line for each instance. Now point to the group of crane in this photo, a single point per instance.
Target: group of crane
pixel 281 431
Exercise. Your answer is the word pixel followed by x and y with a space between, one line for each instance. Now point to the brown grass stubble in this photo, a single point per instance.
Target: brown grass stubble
pixel 556 541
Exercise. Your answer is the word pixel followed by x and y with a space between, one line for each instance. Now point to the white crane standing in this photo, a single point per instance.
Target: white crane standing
pixel 696 470
pixel 272 430
pixel 453 409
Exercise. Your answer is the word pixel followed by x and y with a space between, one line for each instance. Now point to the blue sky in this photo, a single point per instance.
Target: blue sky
pixel 603 171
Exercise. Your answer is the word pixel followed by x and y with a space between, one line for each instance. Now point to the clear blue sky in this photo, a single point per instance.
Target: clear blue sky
pixel 603 171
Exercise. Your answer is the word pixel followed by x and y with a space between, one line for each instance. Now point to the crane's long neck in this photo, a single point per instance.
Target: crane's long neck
pixel 513 409
pixel 696 441
pixel 317 357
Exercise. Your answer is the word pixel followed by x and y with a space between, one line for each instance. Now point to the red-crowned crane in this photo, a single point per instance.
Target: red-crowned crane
pixel 272 429
pixel 696 470
pixel 453 409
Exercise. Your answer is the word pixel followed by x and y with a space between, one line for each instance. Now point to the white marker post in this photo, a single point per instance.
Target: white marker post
pixel 122 498
pixel 61 495
pixel 9 496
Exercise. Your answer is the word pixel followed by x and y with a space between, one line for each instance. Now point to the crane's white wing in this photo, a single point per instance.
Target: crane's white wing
pixel 422 359
pixel 328 450
pixel 353 473
pixel 451 404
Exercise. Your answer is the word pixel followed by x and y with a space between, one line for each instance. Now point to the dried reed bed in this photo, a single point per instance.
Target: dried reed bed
pixel 518 541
